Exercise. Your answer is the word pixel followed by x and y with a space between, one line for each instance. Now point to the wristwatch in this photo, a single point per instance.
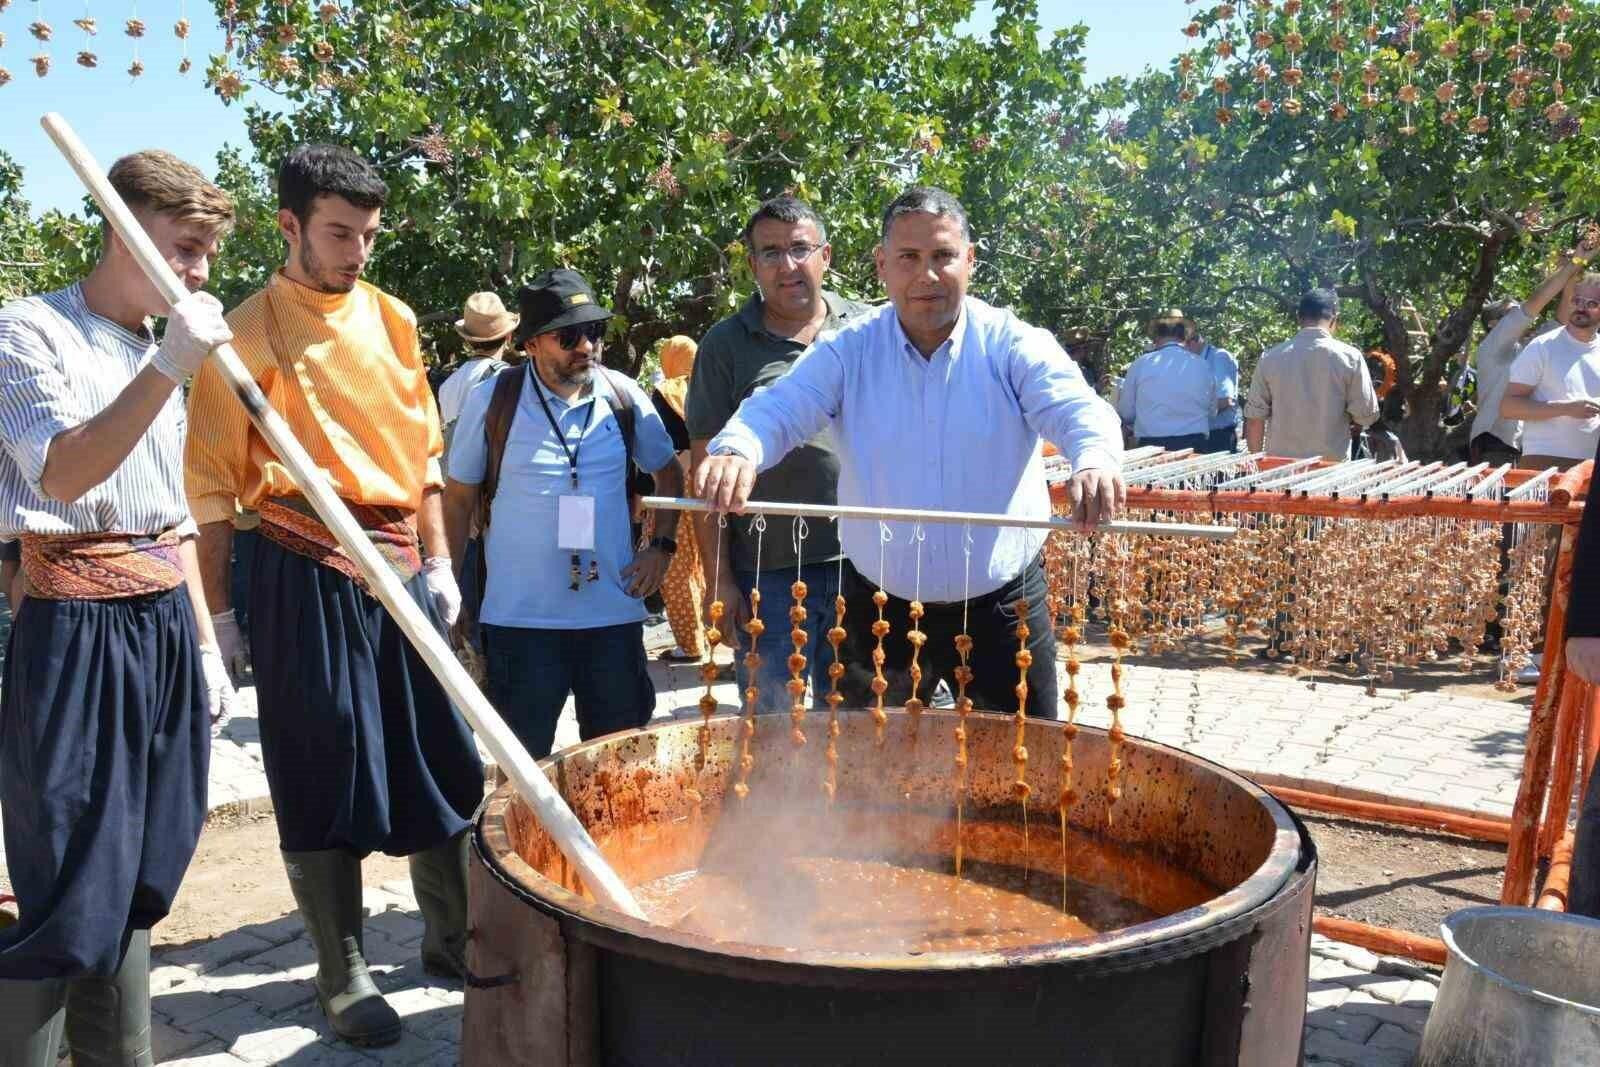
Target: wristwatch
pixel 665 544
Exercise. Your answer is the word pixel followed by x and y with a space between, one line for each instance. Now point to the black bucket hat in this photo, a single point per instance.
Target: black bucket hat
pixel 553 299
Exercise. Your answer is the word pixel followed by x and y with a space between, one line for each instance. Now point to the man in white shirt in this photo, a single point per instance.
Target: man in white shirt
pixel 1307 390
pixel 1554 386
pixel 1170 393
pixel 1223 435
pixel 1495 438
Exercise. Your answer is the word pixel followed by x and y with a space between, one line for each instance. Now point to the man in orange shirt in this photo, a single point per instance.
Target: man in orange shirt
pixel 363 751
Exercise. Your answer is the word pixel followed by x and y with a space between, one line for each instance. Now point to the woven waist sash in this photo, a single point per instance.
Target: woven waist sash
pixel 288 521
pixel 100 566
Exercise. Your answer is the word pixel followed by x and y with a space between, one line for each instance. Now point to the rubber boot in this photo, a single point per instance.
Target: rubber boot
pixel 439 878
pixel 327 887
pixel 108 1019
pixel 30 1021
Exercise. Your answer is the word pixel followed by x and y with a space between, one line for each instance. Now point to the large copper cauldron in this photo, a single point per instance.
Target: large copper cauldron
pixel 1221 980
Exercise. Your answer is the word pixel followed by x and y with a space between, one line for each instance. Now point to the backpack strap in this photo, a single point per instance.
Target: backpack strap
pixel 497 430
pixel 625 414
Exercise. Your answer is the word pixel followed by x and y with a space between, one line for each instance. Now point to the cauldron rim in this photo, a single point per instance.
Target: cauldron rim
pixel 602 924
pixel 1454 949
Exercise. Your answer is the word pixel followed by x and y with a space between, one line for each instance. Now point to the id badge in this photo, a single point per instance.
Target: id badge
pixel 575 522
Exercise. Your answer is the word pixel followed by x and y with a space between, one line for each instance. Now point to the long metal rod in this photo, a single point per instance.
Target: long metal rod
pixel 565 830
pixel 1260 479
pixel 1204 466
pixel 1537 484
pixel 1491 484
pixel 969 518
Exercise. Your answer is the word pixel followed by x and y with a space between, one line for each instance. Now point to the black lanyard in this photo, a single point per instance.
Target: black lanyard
pixel 571 453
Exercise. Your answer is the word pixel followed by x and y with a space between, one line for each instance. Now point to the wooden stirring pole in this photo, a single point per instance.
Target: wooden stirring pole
pixel 552 811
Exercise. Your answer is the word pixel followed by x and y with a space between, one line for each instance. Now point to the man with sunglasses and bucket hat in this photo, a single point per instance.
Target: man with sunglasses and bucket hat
pixel 546 450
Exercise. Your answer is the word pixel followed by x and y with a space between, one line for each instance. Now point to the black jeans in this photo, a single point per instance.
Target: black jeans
pixel 1196 441
pixel 1223 439
pixel 992 624
pixel 532 672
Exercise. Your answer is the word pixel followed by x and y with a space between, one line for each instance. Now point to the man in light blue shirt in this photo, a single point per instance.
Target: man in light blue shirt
pixel 1224 432
pixel 1169 394
pixel 562 611
pixel 939 401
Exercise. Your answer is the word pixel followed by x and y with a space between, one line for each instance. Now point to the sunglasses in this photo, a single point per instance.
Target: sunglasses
pixel 569 336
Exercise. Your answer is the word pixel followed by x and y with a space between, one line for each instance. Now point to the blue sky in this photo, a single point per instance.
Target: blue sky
pixel 115 114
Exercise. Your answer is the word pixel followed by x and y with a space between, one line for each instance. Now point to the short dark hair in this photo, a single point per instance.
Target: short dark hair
pixel 1319 305
pixel 786 208
pixel 313 170
pixel 925 200
pixel 1176 330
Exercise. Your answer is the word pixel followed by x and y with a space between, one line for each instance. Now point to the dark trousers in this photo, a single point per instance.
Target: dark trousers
pixel 104 748
pixel 1583 895
pixel 992 624
pixel 244 554
pixel 362 749
pixel 532 672
pixel 772 679
pixel 1196 441
pixel 1223 439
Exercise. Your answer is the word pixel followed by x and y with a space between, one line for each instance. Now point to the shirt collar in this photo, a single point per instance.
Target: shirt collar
pixel 753 314
pixel 952 344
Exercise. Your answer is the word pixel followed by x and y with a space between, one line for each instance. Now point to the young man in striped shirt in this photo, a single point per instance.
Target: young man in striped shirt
pixel 112 667
pixel 363 751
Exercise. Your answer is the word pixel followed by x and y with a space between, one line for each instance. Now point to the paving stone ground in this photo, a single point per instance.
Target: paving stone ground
pixel 246 997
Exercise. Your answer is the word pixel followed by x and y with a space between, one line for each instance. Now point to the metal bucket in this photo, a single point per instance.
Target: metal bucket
pixel 1520 987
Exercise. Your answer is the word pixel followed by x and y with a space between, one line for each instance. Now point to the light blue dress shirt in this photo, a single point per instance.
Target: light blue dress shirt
pixel 1225 369
pixel 958 431
pixel 529 577
pixel 1170 392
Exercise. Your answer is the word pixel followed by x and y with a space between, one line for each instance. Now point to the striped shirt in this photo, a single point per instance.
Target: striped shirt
pixel 345 371
pixel 60 365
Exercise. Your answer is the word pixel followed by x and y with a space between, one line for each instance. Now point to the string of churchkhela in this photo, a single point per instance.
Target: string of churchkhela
pixel 836 636
pixel 752 662
pixel 880 630
pixel 915 637
pixel 963 676
pixel 708 670
pixel 798 638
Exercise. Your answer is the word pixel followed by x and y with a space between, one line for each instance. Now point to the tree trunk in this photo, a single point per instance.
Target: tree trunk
pixel 1422 430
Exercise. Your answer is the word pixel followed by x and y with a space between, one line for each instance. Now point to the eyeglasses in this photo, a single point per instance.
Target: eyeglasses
pixel 1584 304
pixel 800 252
pixel 569 336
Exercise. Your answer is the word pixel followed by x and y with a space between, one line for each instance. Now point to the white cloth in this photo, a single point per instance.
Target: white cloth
pixel 1309 389
pixel 453 393
pixel 1496 352
pixel 1170 392
pixel 1560 368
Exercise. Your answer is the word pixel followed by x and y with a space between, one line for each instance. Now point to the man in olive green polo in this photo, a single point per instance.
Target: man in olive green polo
pixel 788 250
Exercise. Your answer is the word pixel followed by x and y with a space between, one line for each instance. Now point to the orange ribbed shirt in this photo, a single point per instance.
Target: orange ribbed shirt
pixel 352 386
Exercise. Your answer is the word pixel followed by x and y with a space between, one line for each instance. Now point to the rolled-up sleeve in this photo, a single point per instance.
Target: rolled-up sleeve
pixel 1060 406
pixel 774 421
pixel 35 401
pixel 1361 399
pixel 1258 403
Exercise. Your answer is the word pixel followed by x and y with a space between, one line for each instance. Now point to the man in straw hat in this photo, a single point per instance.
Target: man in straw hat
pixel 113 666
pixel 485 325
pixel 363 750
pixel 1169 394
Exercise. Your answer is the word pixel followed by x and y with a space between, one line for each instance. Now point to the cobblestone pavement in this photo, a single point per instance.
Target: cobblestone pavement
pixel 247 997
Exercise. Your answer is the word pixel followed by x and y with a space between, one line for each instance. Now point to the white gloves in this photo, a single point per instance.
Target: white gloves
pixel 219 690
pixel 194 327
pixel 230 645
pixel 439 575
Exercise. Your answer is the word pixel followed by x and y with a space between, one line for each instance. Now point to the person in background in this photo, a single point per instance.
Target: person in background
pixel 485 325
pixel 1080 345
pixel 545 451
pixel 1553 385
pixel 1169 393
pixel 1307 391
pixel 1495 438
pixel 744 354
pixel 1223 432
pixel 684 589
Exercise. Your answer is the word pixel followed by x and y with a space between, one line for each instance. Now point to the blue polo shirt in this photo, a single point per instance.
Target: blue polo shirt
pixel 529 577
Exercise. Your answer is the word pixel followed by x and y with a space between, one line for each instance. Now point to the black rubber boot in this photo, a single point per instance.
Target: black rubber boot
pixel 30 1022
pixel 439 878
pixel 108 1019
pixel 327 887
